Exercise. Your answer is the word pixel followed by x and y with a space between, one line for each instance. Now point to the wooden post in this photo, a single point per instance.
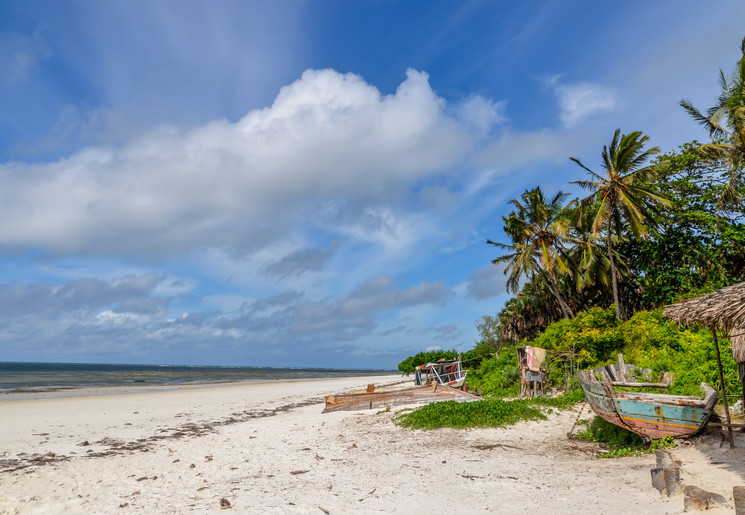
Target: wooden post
pixel 724 390
pixel 738 495
pixel 622 367
pixel 741 373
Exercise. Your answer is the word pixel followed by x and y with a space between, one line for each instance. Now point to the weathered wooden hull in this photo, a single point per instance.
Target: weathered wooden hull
pixel 649 415
pixel 381 399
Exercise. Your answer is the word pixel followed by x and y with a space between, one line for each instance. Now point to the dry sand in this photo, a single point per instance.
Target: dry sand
pixel 266 448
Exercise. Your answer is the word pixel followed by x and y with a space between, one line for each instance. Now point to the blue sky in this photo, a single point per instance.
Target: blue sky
pixel 306 183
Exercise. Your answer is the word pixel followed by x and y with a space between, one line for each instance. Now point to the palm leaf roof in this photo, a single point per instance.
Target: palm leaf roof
pixel 724 308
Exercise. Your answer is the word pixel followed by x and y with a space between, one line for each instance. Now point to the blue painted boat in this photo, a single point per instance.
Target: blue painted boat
pixel 650 415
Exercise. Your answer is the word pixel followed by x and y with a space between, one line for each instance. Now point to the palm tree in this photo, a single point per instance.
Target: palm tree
pixel 725 121
pixel 622 195
pixel 537 229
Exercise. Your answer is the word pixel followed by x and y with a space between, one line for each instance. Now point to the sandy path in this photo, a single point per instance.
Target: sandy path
pixel 268 449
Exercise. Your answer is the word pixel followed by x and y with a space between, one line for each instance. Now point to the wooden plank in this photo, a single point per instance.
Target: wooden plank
pixel 639 385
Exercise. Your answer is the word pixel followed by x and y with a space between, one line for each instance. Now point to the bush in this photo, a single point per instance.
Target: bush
pixel 498 375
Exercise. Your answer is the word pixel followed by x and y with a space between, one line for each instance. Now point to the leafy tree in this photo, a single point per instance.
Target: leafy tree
pixel 725 121
pixel 537 228
pixel 622 195
pixel 693 246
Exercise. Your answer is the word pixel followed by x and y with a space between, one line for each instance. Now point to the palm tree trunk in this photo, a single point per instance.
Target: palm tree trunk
pixel 562 304
pixel 613 275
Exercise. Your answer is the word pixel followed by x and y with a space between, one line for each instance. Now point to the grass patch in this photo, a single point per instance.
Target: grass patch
pixel 483 413
pixel 619 441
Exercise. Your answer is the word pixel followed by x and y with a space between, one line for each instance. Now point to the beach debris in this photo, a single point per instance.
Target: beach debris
pixel 736 408
pixel 296 472
pixel 491 446
pixel 192 466
pixel 208 458
pixel 471 477
pixel 324 510
pixel 224 504
pixel 699 499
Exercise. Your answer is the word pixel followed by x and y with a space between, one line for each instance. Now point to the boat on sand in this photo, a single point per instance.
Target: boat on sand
pixel 650 415
pixel 439 381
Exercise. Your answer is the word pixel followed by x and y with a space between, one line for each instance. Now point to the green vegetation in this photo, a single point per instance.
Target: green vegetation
pixel 619 442
pixel 590 275
pixel 483 413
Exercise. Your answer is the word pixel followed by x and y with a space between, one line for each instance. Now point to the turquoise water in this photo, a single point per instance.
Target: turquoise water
pixel 51 376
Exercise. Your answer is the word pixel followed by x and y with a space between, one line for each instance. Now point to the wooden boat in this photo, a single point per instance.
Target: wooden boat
pixel 649 415
pixel 445 372
pixel 421 394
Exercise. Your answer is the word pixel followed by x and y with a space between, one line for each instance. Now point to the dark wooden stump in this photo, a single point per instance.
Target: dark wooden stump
pixel 658 479
pixel 673 486
pixel 738 493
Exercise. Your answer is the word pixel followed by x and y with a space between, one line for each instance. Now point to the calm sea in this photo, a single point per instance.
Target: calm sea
pixel 29 377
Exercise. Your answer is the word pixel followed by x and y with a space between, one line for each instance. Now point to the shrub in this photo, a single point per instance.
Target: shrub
pixel 498 375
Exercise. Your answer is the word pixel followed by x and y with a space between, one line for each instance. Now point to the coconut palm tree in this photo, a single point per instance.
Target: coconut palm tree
pixel 621 197
pixel 537 229
pixel 725 121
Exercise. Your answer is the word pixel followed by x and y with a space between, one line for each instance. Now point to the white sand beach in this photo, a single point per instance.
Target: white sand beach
pixel 266 448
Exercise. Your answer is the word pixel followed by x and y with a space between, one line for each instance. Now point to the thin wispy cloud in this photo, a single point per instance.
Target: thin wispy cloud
pixel 578 102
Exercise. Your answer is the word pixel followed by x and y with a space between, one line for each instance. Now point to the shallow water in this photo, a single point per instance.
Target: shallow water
pixel 40 377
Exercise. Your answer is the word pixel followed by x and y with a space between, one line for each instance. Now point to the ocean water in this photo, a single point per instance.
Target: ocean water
pixel 34 377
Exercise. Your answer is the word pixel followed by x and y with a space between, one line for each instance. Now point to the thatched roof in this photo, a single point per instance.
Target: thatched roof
pixel 724 308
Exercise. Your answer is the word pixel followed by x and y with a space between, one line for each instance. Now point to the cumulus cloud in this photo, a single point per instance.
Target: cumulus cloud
pixel 577 102
pixel 327 137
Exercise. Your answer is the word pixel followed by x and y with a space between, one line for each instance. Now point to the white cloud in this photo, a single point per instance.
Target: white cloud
pixel 577 102
pixel 482 113
pixel 327 138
